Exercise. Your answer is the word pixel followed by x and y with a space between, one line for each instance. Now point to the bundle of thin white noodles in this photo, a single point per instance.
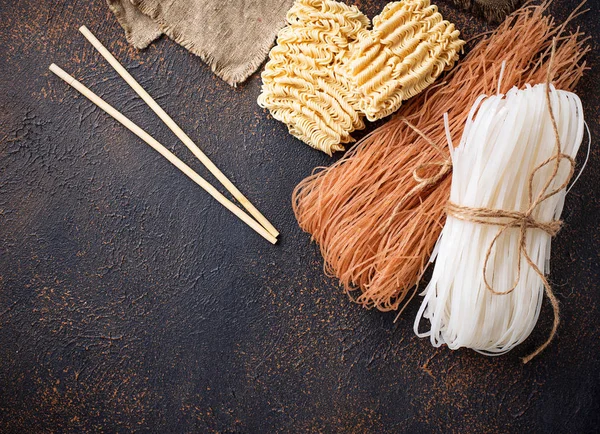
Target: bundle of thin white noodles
pixel 507 194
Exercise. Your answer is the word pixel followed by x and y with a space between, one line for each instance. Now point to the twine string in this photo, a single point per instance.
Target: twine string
pixel 444 167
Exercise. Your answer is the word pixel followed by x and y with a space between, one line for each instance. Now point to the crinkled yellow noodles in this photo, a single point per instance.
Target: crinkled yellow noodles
pixel 328 70
pixel 376 231
pixel 409 47
pixel 302 83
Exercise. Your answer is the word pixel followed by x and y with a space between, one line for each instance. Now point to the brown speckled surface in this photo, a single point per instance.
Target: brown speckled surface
pixel 131 301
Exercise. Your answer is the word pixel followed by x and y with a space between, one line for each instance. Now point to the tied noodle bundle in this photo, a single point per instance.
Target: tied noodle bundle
pixel 328 71
pixel 509 176
pixel 377 213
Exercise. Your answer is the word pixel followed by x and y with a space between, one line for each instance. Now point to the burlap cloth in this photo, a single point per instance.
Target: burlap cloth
pixel 232 36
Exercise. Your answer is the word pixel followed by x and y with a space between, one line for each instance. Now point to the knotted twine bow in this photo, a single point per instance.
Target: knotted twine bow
pixel 444 168
pixel 525 220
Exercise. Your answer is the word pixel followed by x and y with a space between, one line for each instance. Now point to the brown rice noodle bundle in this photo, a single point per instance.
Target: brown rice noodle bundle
pixel 375 226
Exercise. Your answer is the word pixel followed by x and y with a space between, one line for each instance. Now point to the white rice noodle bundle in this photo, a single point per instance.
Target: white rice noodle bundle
pixel 505 138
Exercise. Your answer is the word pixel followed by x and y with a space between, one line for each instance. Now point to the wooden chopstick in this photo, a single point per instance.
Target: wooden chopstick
pixel 178 131
pixel 164 152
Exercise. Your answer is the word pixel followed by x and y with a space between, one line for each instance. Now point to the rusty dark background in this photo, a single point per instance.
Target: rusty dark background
pixel 131 301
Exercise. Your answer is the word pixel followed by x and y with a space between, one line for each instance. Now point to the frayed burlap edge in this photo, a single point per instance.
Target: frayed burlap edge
pixel 145 31
pixel 232 75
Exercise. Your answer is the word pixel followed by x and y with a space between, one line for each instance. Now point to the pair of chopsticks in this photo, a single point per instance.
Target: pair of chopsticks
pixel 260 225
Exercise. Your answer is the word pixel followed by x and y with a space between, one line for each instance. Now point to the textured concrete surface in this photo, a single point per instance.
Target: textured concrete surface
pixel 131 301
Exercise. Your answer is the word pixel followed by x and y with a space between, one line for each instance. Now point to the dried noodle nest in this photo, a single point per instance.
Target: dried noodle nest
pixel 409 47
pixel 328 70
pixel 302 83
